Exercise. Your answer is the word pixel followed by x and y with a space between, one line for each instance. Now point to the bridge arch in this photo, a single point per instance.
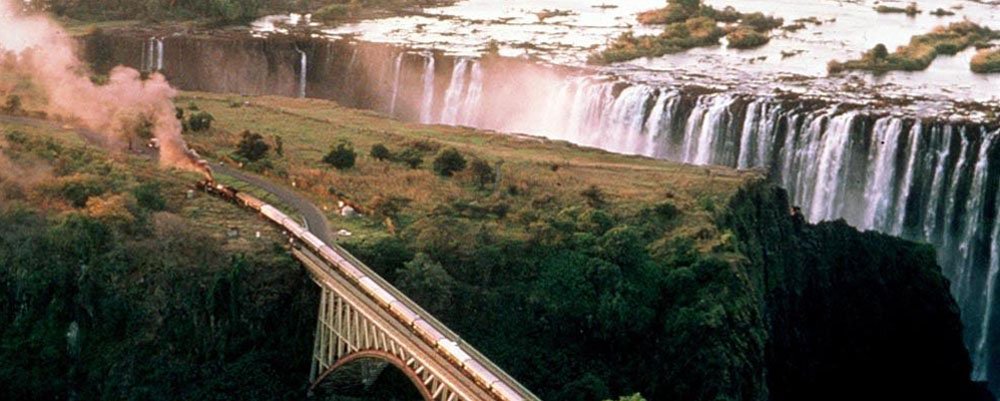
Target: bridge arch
pixel 391 359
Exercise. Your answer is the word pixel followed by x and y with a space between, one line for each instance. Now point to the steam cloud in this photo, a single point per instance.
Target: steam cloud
pixel 43 50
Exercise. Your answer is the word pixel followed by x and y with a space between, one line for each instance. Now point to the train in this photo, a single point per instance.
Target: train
pixel 299 236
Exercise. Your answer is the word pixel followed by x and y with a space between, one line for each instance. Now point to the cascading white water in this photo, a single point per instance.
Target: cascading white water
pixel 881 173
pixel 303 72
pixel 938 183
pixel 397 73
pixel 150 54
pixel 661 119
pixel 831 174
pixel 981 352
pixel 159 54
pixel 972 229
pixel 912 155
pixel 927 182
pixel 454 95
pixel 470 106
pixel 427 101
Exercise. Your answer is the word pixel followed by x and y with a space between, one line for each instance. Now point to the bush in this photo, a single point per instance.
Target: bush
pixel 252 147
pixel 148 196
pixel 986 61
pixel 448 162
pixel 594 196
pixel 200 121
pixel 745 38
pixel 483 173
pixel 333 12
pixel 13 105
pixel 410 157
pixel 342 156
pixel 380 152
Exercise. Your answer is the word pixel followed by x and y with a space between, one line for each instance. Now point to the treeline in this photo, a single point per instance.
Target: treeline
pixel 106 292
pixel 584 304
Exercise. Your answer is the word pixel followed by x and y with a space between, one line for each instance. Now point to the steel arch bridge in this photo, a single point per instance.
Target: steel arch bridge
pixel 361 316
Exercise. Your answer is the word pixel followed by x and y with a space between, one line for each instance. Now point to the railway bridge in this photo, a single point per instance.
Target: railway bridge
pixel 363 321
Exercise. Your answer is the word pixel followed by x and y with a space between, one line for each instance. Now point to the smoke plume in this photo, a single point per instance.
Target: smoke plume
pixel 47 53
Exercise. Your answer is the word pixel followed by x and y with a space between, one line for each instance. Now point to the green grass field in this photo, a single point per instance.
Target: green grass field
pixel 536 173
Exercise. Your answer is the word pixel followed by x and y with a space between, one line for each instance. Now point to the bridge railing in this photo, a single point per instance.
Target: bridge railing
pixel 430 319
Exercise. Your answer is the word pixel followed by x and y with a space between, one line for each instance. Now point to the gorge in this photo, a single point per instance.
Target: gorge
pixel 924 177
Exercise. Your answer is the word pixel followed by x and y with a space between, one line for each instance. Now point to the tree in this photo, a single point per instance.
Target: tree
pixel 880 52
pixel 483 172
pixel 448 162
pixel 13 105
pixel 149 196
pixel 279 145
pixel 410 157
pixel 380 152
pixel 200 121
pixel 427 282
pixel 252 147
pixel 342 156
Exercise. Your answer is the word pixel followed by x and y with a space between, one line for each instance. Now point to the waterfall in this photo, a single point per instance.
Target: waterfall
pixel 660 120
pixel 427 102
pixel 927 181
pixel 981 354
pixel 938 184
pixel 907 183
pixel 150 54
pixel 395 83
pixel 881 172
pixel 454 95
pixel 159 54
pixel 831 174
pixel 470 105
pixel 303 72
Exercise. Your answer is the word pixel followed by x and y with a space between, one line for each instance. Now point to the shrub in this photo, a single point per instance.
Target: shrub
pixel 745 38
pixel 333 12
pixel 17 137
pixel 252 146
pixel 410 157
pixel 342 156
pixel 279 145
pixel 760 22
pixel 380 152
pixel 200 121
pixel 13 105
pixel 594 196
pixel 148 196
pixel 448 162
pixel 483 173
pixel 986 61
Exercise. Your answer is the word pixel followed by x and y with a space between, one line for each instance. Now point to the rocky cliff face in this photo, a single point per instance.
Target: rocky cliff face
pixel 850 315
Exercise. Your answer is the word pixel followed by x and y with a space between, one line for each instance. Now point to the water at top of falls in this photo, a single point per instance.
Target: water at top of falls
pixel 303 72
pixel 427 101
pixel 397 73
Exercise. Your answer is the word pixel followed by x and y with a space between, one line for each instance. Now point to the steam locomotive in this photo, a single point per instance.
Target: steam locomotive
pixel 426 331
